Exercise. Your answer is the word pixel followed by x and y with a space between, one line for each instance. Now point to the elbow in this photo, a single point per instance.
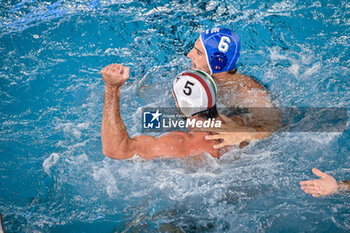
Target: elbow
pixel 116 153
pixel 119 148
pixel 107 152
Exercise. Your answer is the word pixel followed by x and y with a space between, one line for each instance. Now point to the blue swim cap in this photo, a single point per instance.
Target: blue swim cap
pixel 222 48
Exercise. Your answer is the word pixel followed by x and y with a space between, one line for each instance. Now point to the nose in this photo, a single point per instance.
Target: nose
pixel 190 54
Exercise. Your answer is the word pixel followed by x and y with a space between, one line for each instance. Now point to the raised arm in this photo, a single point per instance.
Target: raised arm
pixel 114 136
pixel 116 142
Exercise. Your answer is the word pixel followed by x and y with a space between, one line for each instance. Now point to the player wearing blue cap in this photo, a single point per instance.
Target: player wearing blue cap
pixel 216 52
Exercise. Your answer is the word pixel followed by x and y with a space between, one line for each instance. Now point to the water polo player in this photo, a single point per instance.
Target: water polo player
pixel 195 96
pixel 216 52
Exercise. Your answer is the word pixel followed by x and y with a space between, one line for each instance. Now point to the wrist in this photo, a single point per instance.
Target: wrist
pixel 250 134
pixel 112 88
pixel 343 186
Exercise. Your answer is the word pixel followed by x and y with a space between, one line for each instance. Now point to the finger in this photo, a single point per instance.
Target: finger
pixel 307 183
pixel 214 137
pixel 223 128
pixel 310 188
pixel 214 130
pixel 115 67
pixel 125 73
pixel 106 68
pixel 223 144
pixel 311 191
pixel 319 173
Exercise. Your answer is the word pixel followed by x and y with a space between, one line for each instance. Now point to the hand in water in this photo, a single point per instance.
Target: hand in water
pixel 325 186
pixel 115 75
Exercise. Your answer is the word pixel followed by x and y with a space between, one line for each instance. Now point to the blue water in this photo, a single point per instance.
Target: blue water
pixel 53 175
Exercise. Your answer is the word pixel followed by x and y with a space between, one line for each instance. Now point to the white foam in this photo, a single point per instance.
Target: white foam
pixel 211 5
pixel 49 162
pixel 284 6
pixel 294 69
pixel 314 69
pixel 162 9
pixel 104 175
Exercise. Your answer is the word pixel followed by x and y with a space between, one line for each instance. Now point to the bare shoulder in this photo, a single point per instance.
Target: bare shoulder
pixel 253 93
pixel 250 83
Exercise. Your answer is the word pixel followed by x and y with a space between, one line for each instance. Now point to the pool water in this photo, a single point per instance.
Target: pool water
pixel 53 175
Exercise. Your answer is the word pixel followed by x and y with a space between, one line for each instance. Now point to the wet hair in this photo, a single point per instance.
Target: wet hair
pixel 210 113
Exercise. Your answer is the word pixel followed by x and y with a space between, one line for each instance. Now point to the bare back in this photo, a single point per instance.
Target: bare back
pixel 175 144
pixel 238 90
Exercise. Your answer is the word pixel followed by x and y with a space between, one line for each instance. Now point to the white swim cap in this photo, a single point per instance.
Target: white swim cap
pixel 194 92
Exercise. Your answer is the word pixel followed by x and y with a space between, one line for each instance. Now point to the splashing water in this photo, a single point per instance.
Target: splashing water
pixel 54 177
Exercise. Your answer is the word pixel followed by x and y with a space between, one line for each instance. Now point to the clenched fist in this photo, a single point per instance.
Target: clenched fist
pixel 115 75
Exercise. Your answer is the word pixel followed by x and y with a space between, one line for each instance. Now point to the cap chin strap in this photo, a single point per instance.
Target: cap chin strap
pixel 206 55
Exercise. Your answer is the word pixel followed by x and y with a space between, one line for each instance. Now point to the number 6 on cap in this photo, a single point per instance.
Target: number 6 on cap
pixel 223 46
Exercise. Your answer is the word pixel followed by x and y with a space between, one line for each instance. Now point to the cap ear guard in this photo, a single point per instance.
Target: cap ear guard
pixel 218 61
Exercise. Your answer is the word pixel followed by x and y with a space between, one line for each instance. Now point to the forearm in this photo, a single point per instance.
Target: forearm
pixel 254 133
pixel 115 139
pixel 262 120
pixel 249 129
pixel 257 126
pixel 344 186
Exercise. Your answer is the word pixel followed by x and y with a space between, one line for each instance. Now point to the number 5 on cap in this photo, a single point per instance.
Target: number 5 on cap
pixel 223 46
pixel 188 88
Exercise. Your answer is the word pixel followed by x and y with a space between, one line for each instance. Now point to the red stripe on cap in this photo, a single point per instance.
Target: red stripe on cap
pixel 204 84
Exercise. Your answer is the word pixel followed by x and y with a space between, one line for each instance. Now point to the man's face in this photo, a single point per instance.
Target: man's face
pixel 197 56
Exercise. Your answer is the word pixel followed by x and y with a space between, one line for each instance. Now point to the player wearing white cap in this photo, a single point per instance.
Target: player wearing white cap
pixel 195 95
pixel 216 52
